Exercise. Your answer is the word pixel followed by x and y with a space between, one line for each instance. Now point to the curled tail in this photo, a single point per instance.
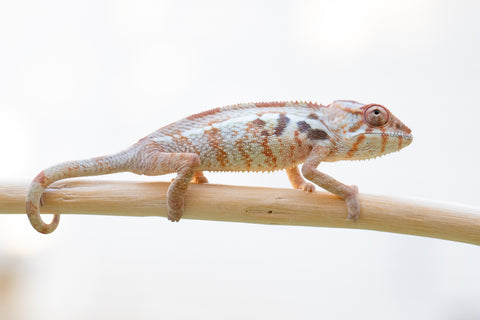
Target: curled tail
pixel 91 167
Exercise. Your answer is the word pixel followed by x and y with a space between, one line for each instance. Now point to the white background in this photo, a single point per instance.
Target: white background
pixel 87 78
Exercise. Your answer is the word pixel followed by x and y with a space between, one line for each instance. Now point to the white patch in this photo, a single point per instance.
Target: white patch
pixel 270 117
pixel 235 121
pixel 349 104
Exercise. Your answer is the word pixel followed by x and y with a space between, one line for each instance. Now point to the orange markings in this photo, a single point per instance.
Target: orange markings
pixel 186 143
pixel 31 208
pixel 356 126
pixel 384 142
pixel 246 158
pixel 292 150
pixel 267 151
pixel 42 179
pixel 355 146
pixel 215 141
pixel 400 142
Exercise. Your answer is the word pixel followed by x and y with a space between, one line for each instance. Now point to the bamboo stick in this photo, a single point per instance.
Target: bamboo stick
pixel 254 205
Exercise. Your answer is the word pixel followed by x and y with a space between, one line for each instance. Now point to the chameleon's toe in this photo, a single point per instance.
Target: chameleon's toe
pixel 175 215
pixel 307 186
pixel 173 219
pixel 199 179
pixel 175 210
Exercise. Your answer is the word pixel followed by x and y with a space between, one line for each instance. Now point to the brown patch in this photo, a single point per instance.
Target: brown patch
pixel 384 142
pixel 203 114
pixel 303 126
pixel 317 134
pixel 400 126
pixel 253 127
pixel 258 122
pixel 355 146
pixel 264 133
pixel 283 121
pixel 270 104
pixel 313 116
pixel 400 142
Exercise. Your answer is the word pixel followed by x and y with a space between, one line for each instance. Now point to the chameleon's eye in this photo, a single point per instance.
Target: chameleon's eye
pixel 376 115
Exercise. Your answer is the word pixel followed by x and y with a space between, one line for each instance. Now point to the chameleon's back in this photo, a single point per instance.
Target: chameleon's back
pixel 247 137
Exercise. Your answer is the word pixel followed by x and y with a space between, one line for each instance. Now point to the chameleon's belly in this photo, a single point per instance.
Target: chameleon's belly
pixel 254 154
pixel 231 153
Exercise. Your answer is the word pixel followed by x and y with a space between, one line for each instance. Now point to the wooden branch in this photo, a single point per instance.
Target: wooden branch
pixel 254 205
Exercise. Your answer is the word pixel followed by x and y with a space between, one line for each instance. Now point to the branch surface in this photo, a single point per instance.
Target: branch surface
pixel 253 205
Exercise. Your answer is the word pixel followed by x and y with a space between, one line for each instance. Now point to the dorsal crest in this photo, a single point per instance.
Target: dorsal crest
pixel 241 106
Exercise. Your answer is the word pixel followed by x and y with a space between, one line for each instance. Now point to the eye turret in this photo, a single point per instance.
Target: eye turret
pixel 376 115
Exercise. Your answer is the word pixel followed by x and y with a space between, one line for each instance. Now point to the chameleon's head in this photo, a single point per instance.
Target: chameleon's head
pixel 367 130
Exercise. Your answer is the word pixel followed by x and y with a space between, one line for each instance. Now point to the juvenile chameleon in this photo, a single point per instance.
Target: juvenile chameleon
pixel 264 136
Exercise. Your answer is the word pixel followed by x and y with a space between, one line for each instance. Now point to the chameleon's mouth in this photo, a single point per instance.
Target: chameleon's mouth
pixel 394 134
pixel 392 141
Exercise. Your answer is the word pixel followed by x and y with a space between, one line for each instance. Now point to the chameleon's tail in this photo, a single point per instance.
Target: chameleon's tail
pixel 91 167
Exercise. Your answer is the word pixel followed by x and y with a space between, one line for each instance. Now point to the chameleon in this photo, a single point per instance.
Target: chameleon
pixel 264 136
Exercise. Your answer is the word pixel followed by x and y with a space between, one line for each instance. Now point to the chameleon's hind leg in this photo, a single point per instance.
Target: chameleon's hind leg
pixel 297 180
pixel 198 177
pixel 184 164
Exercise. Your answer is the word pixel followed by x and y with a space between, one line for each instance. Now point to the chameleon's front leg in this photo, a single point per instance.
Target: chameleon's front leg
pixel 348 193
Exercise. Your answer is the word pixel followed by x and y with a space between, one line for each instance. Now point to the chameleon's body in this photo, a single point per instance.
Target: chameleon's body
pixel 246 137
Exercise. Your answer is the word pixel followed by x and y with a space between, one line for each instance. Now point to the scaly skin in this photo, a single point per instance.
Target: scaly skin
pixel 246 137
